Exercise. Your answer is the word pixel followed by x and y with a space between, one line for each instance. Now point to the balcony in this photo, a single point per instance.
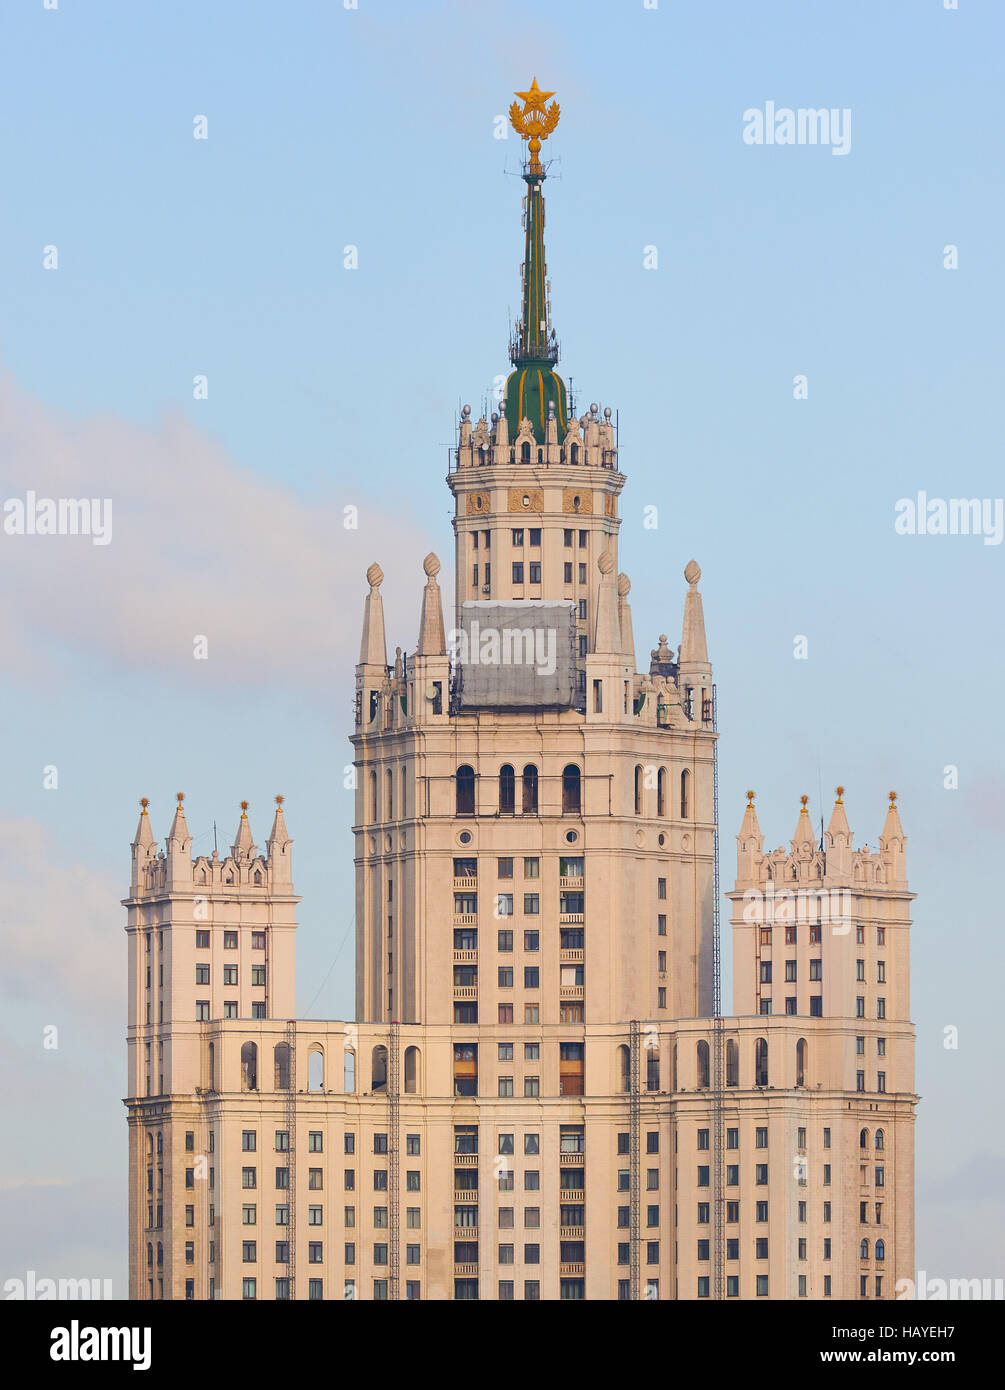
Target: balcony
pixel 466 1271
pixel 467 883
pixel 573 1232
pixel 568 1270
pixel 465 1233
pixel 465 919
pixel 567 1160
pixel 465 991
pixel 466 1196
pixel 568 919
pixel 571 991
pixel 571 882
pixel 466 1160
pixel 569 955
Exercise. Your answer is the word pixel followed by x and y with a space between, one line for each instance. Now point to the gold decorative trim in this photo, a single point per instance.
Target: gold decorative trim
pixel 478 504
pixel 578 500
pixel 610 505
pixel 534 503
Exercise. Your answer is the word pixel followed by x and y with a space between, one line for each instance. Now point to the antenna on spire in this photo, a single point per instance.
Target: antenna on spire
pixel 214 838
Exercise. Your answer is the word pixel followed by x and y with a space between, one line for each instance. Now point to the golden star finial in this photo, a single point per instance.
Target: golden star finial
pixel 535 99
pixel 244 809
pixel 535 122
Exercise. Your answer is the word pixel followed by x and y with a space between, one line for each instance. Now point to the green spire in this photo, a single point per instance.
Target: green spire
pixel 533 387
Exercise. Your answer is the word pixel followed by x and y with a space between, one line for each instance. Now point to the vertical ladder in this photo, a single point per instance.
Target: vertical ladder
pixel 291 1130
pixel 634 1139
pixel 393 1162
pixel 718 1061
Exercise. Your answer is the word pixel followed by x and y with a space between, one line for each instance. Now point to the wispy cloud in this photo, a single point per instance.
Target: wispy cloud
pixel 201 547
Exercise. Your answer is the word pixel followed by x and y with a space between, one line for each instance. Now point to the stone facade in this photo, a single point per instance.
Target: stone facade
pixel 535 1099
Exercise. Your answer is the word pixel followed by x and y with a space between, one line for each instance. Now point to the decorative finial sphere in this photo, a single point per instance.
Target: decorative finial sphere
pixel 431 565
pixel 244 808
pixel 840 794
pixel 607 412
pixel 594 407
pixel 375 576
pixel 280 800
pixel 466 412
pixel 606 562
pixel 624 585
pixel 495 417
pixel 750 798
pixel 692 572
pixel 551 410
pixel 144 802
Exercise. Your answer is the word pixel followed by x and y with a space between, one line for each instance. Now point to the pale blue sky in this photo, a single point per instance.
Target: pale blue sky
pixel 328 387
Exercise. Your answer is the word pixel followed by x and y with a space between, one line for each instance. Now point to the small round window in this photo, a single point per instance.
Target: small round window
pixel 571 836
pixel 478 503
pixel 465 837
pixel 526 500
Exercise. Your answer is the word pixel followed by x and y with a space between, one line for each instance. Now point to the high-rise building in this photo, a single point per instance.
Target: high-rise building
pixel 539 1097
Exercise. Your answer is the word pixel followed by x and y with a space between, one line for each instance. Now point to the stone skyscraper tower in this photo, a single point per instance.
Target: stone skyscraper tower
pixel 535 1100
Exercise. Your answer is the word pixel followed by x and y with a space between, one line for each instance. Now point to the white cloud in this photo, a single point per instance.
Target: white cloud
pixel 200 546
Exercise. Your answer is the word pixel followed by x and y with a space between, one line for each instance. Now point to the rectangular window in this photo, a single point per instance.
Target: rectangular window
pixel 534 569
pixel 517 571
pixel 258 974
pixel 201 941
pixel 202 974
pixel 230 940
pixel 518 535
pixel 567 573
pixel 661 888
pixel 504 868
pixel 567 538
pixel 531 904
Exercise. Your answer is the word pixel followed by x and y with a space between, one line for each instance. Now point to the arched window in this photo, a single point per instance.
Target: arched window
pixel 403 810
pixel 349 1072
pixel 661 792
pixel 863 1138
pixel 507 790
pixel 389 784
pixel 249 1066
pixel 525 451
pixel 761 1062
pixel 160 1253
pixel 801 1062
pixel 374 809
pixel 482 455
pixel 378 1068
pixel 212 1066
pixel 465 791
pixel 685 794
pixel 315 1069
pixel 570 790
pixel 675 1066
pixel 412 1060
pixel 863 1250
pixel 574 454
pixel 258 878
pixel 638 791
pixel 150 1253
pixel 160 1141
pixel 703 1067
pixel 281 1057
pixel 732 1063
pixel 625 1068
pixel 530 790
pixel 880 1250
pixel 880 1139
